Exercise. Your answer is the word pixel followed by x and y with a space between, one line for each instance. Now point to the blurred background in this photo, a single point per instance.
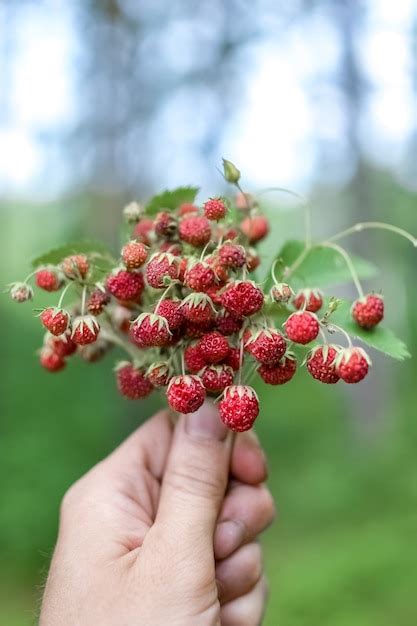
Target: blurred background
pixel 103 101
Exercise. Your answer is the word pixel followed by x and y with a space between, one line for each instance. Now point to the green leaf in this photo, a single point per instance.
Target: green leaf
pixel 322 267
pixel 91 248
pixel 171 199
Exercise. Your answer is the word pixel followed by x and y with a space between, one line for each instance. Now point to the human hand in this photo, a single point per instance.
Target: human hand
pixel 163 531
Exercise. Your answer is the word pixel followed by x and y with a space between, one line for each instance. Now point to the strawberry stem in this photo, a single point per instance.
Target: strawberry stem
pixel 348 260
pixel 83 300
pixel 61 299
pixel 360 226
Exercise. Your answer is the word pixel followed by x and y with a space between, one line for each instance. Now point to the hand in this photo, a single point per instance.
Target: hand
pixel 163 531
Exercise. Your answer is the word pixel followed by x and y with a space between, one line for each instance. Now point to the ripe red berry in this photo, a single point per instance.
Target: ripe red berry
pixel 197 329
pixel 214 347
pixel 232 255
pixel 185 393
pixel 265 345
pixel 75 267
pixel 281 292
pixel 159 374
pixel 239 407
pixel 221 272
pixel 126 286
pixel 195 230
pixel 165 225
pixel 368 311
pixel 233 359
pixel 352 364
pixel 97 301
pixel 215 294
pixel 85 329
pixel 252 260
pixel 242 298
pixel 280 373
pixel 132 382
pixel 194 360
pixel 217 377
pixel 186 208
pixel 198 308
pixel 308 300
pixel 62 345
pixel 48 279
pixel 150 330
pixel 144 231
pixel 199 276
pixel 302 327
pixel 321 364
pixel 227 323
pixel 50 360
pixel 134 255
pixel 161 269
pixel 55 320
pixel 171 311
pixel 215 209
pixel 255 228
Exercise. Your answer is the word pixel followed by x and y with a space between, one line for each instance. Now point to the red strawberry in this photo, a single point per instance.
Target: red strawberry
pixel 217 377
pixel 198 308
pixel 21 292
pixel 195 230
pixel 186 208
pixel 281 292
pixel 242 298
pixel 121 317
pixel 134 254
pixel 150 330
pixel 194 360
pixel 55 320
pixel 97 301
pixel 159 374
pixel 161 269
pixel 368 311
pixel 165 225
pixel 126 286
pixel 227 323
pixel 132 382
pixel 214 347
pixel 352 364
pixel 62 344
pixel 171 311
pixel 199 276
pixel 239 407
pixel 233 359
pixel 48 279
pixel 144 231
pixel 197 329
pixel 252 260
pixel 214 293
pixel 255 228
pixel 221 273
pixel 232 255
pixel 267 346
pixel 280 373
pixel 215 209
pixel 308 300
pixel 169 246
pixel 302 327
pixel 185 393
pixel 321 364
pixel 51 360
pixel 85 330
pixel 75 267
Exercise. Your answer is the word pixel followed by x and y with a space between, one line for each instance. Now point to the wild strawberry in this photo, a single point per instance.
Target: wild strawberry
pixel 48 279
pixel 171 247
pixel 281 292
pixel 217 377
pixel 199 276
pixel 21 292
pixel 308 300
pixel 185 393
pixel 182 268
pixel 321 364
pixel 144 231
pixel 134 254
pixel 61 344
pixel 196 330
pixel 51 360
pixel 215 209
pixel 159 374
pixel 121 317
pixel 252 260
pixel 187 208
pixel 214 347
pixel 161 270
pixel 233 359
pixel 221 273
pixel 302 327
pixel 150 330
pixel 198 308
pixel 171 311
pixel 132 382
pixel 215 294
pixel 232 255
pixel 194 360
pixel 255 228
pixel 97 301
pixel 280 373
pixel 239 407
pixel 126 286
pixel 85 329
pixel 165 225
pixel 230 233
pixel 227 323
pixel 195 230
pixel 75 267
pixel 352 364
pixel 242 298
pixel 267 345
pixel 93 352
pixel 55 320
pixel 368 311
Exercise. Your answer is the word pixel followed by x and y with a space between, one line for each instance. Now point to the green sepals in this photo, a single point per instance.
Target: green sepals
pixel 197 299
pixel 170 200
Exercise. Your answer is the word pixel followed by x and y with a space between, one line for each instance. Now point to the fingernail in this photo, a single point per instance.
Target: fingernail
pixel 229 536
pixel 206 423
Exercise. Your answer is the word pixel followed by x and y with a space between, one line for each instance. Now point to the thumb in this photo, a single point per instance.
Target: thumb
pixel 195 477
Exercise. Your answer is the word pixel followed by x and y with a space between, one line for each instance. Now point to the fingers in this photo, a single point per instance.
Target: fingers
pixel 246 512
pixel 247 610
pixel 248 463
pixel 238 574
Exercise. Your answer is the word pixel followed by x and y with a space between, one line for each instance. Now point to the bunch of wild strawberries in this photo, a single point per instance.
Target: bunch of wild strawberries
pixel 182 304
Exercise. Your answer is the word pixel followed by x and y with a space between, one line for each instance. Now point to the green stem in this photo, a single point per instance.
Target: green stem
pixel 83 300
pixel 331 327
pixel 348 261
pixel 360 226
pixel 163 297
pixel 30 275
pixel 61 299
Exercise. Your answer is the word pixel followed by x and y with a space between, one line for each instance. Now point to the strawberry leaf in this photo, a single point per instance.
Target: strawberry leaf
pixel 171 199
pixel 90 248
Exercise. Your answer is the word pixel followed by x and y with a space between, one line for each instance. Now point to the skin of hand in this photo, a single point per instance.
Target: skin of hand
pixel 163 531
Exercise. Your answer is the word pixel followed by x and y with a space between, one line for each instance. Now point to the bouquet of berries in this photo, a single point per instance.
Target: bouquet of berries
pixel 196 314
